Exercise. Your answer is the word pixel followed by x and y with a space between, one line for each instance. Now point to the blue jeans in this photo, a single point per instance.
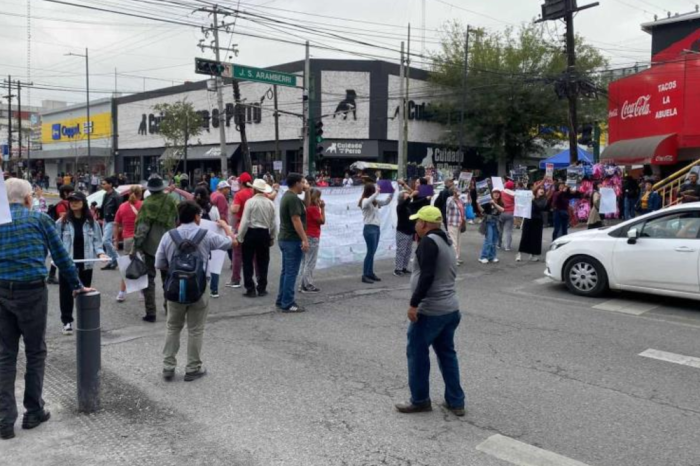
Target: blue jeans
pixel 488 251
pixel 291 262
pixel 438 332
pixel 108 242
pixel 561 224
pixel 371 234
pixel 214 283
pixel 629 208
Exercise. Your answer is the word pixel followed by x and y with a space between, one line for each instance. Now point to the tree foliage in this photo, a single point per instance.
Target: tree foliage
pixel 510 87
pixel 180 123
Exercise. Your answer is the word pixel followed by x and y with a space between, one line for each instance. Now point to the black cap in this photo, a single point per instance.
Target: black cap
pixel 77 196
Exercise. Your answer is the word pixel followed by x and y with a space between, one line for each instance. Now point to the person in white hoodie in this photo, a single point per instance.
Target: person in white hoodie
pixel 370 213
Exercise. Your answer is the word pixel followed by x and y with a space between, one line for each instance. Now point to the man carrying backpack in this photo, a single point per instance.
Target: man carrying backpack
pixel 184 253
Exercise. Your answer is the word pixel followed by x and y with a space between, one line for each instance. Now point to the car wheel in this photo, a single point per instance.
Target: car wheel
pixel 585 276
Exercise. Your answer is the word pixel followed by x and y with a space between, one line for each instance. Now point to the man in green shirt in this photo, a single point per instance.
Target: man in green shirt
pixel 156 217
pixel 292 239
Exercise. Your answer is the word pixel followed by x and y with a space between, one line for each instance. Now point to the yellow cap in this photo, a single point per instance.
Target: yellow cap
pixel 428 214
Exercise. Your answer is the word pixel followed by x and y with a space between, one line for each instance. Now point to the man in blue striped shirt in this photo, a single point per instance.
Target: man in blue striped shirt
pixel 24 244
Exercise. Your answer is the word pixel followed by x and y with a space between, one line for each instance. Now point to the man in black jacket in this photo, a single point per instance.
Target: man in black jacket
pixel 441 201
pixel 110 205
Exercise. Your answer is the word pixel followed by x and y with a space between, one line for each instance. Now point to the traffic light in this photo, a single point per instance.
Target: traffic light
pixel 318 139
pixel 210 67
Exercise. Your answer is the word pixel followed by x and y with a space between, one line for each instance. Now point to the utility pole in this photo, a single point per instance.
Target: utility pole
pixel 9 97
pixel 88 124
pixel 187 140
pixel 306 156
pixel 464 91
pixel 565 9
pixel 19 119
pixel 277 127
pixel 220 100
pixel 408 74
pixel 401 160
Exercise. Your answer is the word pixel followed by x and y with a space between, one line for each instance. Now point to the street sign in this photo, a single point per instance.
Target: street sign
pixel 248 73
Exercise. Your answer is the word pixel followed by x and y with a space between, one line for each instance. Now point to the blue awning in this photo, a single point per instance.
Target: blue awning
pixel 561 160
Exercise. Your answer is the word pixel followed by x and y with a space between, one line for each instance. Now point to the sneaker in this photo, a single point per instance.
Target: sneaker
pixel 494 260
pixel 7 432
pixel 459 262
pixel 507 249
pixel 367 280
pixel 294 308
pixel 302 289
pixel 68 329
pixel 214 294
pixel 519 257
pixel 250 294
pixel 534 258
pixel 233 284
pixel 398 273
pixel 310 289
pixel 121 297
pixel 168 375
pixel 459 412
pixel 150 318
pixel 190 376
pixel 34 420
pixel 410 408
pixel 484 261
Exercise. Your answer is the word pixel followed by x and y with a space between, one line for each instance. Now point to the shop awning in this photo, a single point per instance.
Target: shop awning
pixel 654 150
pixel 199 152
pixel 70 154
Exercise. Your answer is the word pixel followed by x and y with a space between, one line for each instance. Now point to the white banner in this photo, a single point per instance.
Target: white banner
pixel 217 259
pixel 132 286
pixel 608 201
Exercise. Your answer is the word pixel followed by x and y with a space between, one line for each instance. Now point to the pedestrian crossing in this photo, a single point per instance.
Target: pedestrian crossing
pixel 523 454
pixel 674 358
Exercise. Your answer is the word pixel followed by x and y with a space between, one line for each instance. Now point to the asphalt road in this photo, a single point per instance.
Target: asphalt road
pixel 551 379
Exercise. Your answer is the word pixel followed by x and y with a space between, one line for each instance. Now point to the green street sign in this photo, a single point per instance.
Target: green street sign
pixel 248 73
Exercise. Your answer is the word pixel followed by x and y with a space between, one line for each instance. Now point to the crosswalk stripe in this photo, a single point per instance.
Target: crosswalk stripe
pixel 626 306
pixel 522 454
pixel 672 357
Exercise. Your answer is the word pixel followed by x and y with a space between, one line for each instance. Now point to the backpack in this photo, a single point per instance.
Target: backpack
pixel 52 212
pixel 187 276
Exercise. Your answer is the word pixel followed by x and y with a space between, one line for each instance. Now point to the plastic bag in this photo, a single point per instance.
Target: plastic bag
pixel 136 269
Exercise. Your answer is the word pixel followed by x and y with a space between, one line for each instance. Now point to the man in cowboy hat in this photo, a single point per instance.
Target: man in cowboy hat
pixel 157 216
pixel 256 234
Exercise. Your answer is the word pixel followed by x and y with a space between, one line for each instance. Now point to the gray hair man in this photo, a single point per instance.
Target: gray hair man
pixel 24 302
pixel 434 315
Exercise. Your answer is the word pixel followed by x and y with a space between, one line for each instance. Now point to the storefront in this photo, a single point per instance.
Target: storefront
pixel 64 140
pixel 653 115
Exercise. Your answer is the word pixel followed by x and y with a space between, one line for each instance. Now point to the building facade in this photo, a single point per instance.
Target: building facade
pixel 357 101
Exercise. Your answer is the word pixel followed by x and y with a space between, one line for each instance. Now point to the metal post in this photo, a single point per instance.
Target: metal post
pixel 9 116
pixel 402 115
pixel 278 156
pixel 220 102
pixel 19 119
pixel 187 139
pixel 88 351
pixel 572 87
pixel 306 159
pixel 408 74
pixel 464 92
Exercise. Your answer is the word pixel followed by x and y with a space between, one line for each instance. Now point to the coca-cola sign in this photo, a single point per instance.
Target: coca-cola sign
pixel 641 107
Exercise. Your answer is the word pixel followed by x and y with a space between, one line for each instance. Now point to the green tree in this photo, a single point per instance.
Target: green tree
pixel 510 88
pixel 180 123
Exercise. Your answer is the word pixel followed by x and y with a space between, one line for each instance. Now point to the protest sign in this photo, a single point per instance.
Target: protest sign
pixel 483 194
pixel 574 176
pixel 5 215
pixel 549 171
pixel 608 201
pixel 217 259
pixel 523 203
pixel 385 186
pixel 277 165
pixel 497 183
pixel 426 190
pixel 465 179
pixel 132 286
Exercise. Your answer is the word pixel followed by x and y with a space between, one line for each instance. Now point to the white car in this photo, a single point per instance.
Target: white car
pixel 657 253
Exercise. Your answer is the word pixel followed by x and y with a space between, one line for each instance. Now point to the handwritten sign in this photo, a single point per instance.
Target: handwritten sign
pixel 523 203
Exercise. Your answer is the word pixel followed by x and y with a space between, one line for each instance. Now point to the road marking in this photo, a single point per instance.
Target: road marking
pixel 544 281
pixel 672 357
pixel 522 454
pixel 626 306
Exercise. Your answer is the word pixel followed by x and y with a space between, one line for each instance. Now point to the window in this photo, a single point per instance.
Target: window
pixel 683 225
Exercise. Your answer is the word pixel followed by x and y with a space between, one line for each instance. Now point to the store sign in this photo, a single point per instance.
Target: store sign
pixel 439 157
pixel 652 103
pixel 351 149
pixel 253 114
pixel 416 111
pixel 77 129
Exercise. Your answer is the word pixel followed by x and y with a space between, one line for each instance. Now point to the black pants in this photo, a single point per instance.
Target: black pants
pixel 65 293
pixel 256 249
pixel 149 293
pixel 22 314
pixel 52 272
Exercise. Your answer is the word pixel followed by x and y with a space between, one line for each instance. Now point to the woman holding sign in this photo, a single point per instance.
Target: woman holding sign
pixel 370 213
pixel 491 211
pixel 82 237
pixel 531 239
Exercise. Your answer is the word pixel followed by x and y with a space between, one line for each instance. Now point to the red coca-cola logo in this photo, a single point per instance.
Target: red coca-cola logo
pixel 664 158
pixel 635 109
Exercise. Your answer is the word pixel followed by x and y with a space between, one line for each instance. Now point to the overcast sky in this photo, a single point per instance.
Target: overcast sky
pixel 164 53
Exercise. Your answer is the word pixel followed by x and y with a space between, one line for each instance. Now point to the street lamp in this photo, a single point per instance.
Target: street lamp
pixel 88 126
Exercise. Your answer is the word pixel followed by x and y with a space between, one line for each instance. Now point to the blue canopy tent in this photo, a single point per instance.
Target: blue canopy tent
pixel 561 160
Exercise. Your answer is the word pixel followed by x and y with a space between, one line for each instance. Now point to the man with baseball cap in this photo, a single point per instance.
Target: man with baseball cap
pixel 237 209
pixel 256 234
pixel 434 315
pixel 219 198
